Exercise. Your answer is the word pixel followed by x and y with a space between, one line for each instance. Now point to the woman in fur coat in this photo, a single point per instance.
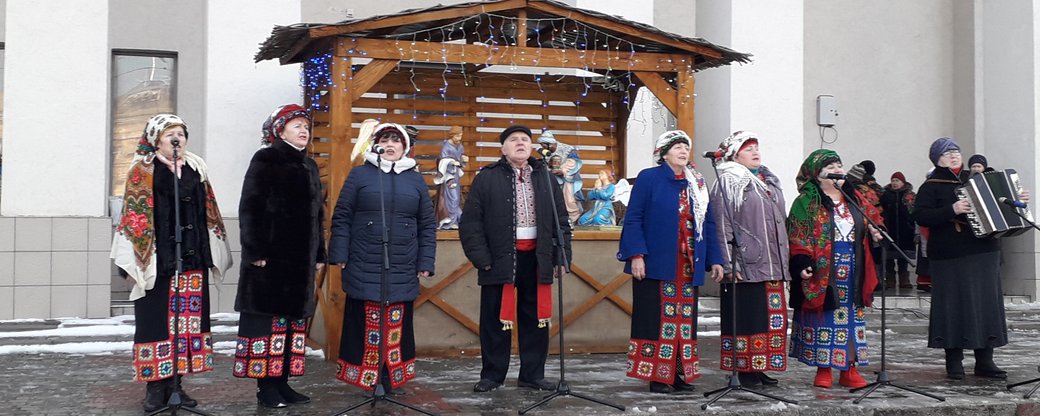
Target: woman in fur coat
pixel 280 215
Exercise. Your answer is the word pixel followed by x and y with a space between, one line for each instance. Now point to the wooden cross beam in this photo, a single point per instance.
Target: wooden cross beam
pixel 419 51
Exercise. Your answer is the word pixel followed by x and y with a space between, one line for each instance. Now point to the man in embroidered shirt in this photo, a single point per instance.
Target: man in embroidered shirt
pixel 515 258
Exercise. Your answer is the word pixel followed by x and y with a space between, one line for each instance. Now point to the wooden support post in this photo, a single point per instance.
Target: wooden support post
pixel 684 100
pixel 341 117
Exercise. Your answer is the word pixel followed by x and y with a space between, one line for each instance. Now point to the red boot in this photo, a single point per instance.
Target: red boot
pixel 824 378
pixel 851 379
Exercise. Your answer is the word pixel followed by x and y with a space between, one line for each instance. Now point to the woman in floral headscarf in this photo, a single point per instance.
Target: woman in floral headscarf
pixel 144 247
pixel 832 270
pixel 755 203
pixel 668 243
pixel 280 216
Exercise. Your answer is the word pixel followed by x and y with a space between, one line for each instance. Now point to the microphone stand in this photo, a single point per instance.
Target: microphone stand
pixel 176 402
pixel 882 376
pixel 378 392
pixel 562 388
pixel 1021 383
pixel 734 242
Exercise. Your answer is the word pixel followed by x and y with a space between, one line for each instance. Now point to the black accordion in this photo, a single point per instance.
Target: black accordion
pixel 988 216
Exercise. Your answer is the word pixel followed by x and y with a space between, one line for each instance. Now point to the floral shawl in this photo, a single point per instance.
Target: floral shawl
pixel 810 231
pixel 133 245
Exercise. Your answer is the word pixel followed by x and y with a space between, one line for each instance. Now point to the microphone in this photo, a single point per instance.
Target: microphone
pixel 175 142
pixel 377 149
pixel 1012 202
pixel 834 176
pixel 713 154
pixel 546 153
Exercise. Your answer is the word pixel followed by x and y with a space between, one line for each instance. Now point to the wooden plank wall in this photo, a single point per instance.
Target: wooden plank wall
pixel 578 113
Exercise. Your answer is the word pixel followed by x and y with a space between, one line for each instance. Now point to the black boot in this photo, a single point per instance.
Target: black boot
pixel 267 393
pixel 985 367
pixel 954 366
pixel 291 396
pixel 155 395
pixel 186 401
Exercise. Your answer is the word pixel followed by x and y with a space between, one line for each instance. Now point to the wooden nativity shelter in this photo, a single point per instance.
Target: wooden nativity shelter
pixel 485 66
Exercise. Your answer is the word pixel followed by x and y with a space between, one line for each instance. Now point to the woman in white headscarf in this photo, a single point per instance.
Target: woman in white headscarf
pixel 387 180
pixel 143 246
pixel 668 243
pixel 755 205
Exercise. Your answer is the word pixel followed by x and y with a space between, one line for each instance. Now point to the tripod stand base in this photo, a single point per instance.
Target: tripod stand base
pixel 378 395
pixel 563 389
pixel 1033 390
pixel 177 405
pixel 734 385
pixel 883 380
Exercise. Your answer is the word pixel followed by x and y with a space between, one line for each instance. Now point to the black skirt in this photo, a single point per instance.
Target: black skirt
pixel 967 303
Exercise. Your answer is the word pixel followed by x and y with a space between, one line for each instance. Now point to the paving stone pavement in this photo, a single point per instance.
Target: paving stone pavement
pixel 100 384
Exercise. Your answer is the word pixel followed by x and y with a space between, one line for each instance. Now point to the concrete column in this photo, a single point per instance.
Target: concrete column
pixel 1010 78
pixel 765 96
pixel 56 109
pixel 241 94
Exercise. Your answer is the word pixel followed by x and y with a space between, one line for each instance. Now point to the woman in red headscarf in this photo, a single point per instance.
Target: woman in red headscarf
pixel 280 216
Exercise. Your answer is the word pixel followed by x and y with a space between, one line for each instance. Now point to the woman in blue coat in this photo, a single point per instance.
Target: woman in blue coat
pixel 356 247
pixel 667 243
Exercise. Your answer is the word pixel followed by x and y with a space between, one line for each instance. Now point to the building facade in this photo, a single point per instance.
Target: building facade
pixel 80 77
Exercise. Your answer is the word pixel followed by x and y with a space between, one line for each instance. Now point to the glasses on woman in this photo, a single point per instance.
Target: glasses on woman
pixel 951 153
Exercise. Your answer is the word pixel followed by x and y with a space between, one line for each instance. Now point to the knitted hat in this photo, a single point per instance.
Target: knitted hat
pixel 940 146
pixel 977 158
pixel 868 167
pixel 513 129
pixel 899 175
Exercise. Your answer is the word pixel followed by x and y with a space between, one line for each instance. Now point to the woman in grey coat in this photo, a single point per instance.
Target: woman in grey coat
pixel 755 204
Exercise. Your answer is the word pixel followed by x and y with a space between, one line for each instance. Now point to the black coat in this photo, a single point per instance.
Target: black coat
pixel 280 216
pixel 195 250
pixel 357 236
pixel 488 225
pixel 949 236
pixel 897 213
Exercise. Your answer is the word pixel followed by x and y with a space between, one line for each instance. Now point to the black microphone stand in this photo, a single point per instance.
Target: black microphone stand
pixel 1021 383
pixel 378 392
pixel 176 402
pixel 562 388
pixel 734 242
pixel 882 376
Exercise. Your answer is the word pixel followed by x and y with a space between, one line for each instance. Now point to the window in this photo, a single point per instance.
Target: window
pixel 143 85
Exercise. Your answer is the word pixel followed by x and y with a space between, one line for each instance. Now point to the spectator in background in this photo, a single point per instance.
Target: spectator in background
pixel 897 202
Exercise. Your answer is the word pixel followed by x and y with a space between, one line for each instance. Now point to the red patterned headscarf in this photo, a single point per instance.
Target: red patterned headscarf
pixel 275 123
